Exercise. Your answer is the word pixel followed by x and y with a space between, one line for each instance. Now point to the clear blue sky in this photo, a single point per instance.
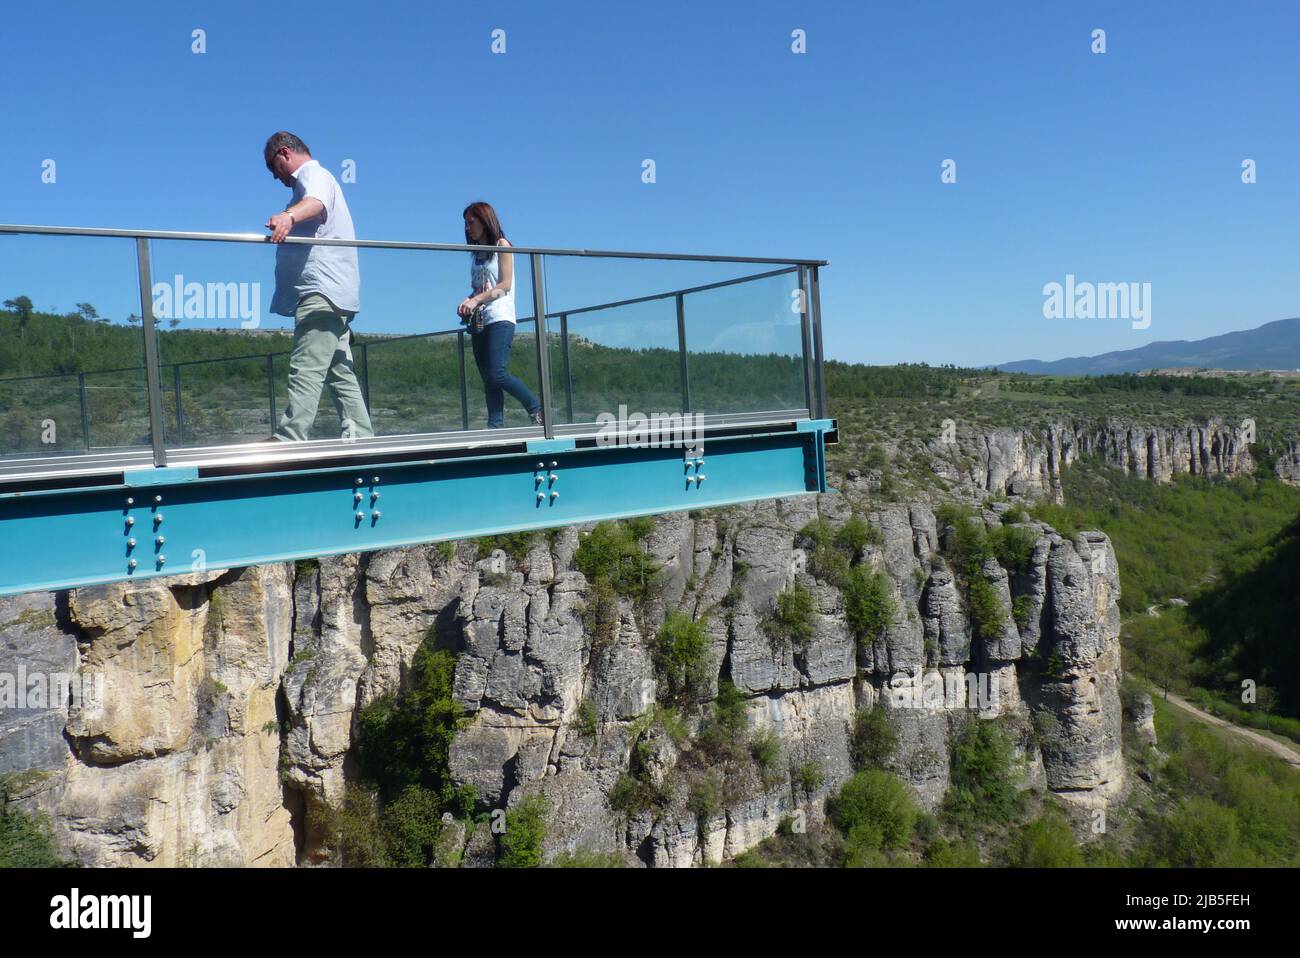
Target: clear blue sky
pixel 1122 167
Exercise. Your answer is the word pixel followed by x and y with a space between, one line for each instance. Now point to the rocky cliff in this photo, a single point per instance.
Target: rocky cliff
pixel 229 708
pixel 1029 462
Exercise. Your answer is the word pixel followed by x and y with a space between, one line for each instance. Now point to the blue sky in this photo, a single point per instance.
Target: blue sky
pixel 1119 167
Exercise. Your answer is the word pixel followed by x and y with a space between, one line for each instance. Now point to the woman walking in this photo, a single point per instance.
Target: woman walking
pixel 492 278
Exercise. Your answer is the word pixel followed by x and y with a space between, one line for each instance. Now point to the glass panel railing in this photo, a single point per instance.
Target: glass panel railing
pixel 211 306
pixel 705 337
pixel 622 355
pixel 72 378
pixel 744 345
pixel 225 358
pixel 625 334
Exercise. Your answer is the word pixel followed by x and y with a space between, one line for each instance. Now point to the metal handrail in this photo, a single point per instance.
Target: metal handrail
pixel 394 244
pixel 160 454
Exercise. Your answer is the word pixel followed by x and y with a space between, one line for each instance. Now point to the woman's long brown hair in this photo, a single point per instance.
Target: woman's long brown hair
pixel 485 214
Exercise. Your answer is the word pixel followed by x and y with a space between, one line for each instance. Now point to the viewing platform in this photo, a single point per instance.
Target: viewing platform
pixel 141 446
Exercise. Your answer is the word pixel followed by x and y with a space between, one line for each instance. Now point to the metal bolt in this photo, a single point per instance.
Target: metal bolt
pixel 130 501
pixel 552 477
pixel 360 481
pixel 360 516
pixel 130 563
pixel 376 514
pixel 554 463
pixel 374 496
pixel 157 499
pixel 541 465
pixel 555 495
pixel 159 541
pixel 376 479
pixel 356 497
pixel 130 543
pixel 537 480
pixel 541 495
pixel 699 479
pixel 130 520
pixel 162 560
pixel 158 517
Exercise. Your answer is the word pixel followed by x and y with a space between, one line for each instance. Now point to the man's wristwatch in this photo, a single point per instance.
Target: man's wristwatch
pixel 293 220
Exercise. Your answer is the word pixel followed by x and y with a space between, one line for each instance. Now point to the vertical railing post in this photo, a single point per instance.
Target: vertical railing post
pixel 270 388
pixel 681 353
pixel 568 372
pixel 543 358
pixel 157 433
pixel 180 414
pixel 818 353
pixel 85 411
pixel 464 380
pixel 805 333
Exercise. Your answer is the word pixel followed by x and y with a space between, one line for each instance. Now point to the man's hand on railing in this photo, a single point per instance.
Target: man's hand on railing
pixel 280 224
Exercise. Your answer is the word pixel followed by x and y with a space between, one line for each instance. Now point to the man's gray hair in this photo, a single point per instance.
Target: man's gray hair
pixel 279 141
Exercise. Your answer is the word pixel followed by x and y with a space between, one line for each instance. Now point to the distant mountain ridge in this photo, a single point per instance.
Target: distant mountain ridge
pixel 1274 345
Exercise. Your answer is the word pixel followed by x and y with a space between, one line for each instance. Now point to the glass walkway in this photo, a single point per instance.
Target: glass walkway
pixel 141 375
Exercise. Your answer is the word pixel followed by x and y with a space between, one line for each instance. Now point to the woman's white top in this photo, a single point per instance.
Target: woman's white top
pixel 484 275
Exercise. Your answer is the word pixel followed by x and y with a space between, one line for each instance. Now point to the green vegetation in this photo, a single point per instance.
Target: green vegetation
pixel 26 841
pixel 765 747
pixel 1229 547
pixel 945 854
pixel 982 786
pixel 1216 803
pixel 868 603
pixel 874 739
pixel 684 665
pixel 514 544
pixel 792 618
pixel 876 812
pixel 968 545
pixel 525 831
pixel 583 857
pixel 588 718
pixel 613 553
pixel 402 748
pixel 810 777
pixel 1046 842
pixel 600 618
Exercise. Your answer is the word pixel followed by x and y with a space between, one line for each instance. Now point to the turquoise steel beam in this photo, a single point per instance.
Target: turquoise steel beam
pixel 174 521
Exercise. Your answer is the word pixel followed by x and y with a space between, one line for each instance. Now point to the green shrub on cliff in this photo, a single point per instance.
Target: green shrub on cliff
pixel 26 841
pixel 868 603
pixel 876 812
pixel 612 552
pixel 982 784
pixel 683 661
pixel 1046 842
pixel 525 831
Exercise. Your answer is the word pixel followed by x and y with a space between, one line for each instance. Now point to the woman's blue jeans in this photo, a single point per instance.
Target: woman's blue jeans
pixel 492 356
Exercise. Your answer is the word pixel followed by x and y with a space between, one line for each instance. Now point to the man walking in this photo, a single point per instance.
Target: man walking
pixel 320 287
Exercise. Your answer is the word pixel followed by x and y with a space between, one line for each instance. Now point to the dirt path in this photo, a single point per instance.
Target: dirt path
pixel 1287 753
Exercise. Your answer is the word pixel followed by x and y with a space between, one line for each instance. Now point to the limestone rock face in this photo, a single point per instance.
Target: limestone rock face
pixel 232 699
pixel 1029 462
pixel 1287 466
pixel 175 759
